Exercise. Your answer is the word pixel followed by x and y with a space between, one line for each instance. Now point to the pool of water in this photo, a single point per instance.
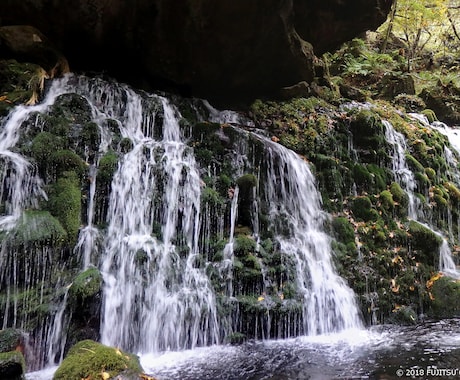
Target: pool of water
pixel 427 351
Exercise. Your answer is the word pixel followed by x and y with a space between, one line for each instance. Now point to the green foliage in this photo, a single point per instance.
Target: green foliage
pixel 244 245
pixel 212 197
pixel 15 83
pixel 89 360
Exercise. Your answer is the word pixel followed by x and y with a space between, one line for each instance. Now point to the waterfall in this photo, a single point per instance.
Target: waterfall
pixel 295 211
pixel 148 230
pixel 27 265
pixel 156 297
pixel 405 177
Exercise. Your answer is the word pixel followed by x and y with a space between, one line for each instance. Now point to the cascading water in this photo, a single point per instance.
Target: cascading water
pixel 27 266
pixel 155 297
pixel 149 231
pixel 405 177
pixel 295 210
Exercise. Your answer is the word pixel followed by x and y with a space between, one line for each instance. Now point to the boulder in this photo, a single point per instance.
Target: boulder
pixel 12 365
pixel 227 51
pixel 92 360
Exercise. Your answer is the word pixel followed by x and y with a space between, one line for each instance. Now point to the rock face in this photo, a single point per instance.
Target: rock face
pixel 218 49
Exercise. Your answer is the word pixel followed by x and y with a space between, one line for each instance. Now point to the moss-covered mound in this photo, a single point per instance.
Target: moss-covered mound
pixel 445 297
pixel 12 365
pixel 92 360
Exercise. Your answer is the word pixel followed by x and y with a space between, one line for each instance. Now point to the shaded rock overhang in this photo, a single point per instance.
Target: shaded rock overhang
pixel 229 51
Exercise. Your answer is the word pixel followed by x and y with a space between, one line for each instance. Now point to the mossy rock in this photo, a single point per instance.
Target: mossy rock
pixel 411 103
pixel 236 338
pixel 343 230
pixel 43 146
pixel 212 197
pixel 72 107
pixel 37 226
pixel 247 181
pixel 386 201
pixel 108 165
pixel 91 360
pixel 10 339
pixel 394 84
pixel 66 160
pixel 424 239
pixel 401 198
pixel 446 298
pixel 12 365
pixel 362 209
pixel 404 315
pixel 444 101
pixel 85 285
pixel 65 203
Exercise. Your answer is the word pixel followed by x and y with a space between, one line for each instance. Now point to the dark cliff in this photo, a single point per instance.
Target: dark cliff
pixel 223 50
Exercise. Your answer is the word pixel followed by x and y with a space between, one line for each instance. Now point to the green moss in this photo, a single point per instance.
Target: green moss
pixel 431 173
pixel 401 198
pixel 126 145
pixel 211 197
pixel 86 285
pixel 386 201
pixel 424 239
pixel 446 298
pixel 43 146
pixel 414 164
pixel 88 360
pixel 12 365
pixel 454 192
pixel 38 226
pixel 65 203
pixel 108 164
pixel 430 115
pixel 65 161
pixel 362 209
pixel 244 245
pixel 343 230
pixel 247 181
